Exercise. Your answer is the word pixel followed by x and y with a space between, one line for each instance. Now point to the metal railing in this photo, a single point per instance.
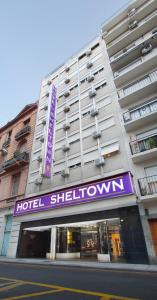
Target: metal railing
pixel 140 112
pixel 139 84
pixel 148 185
pixel 143 144
pixel 25 130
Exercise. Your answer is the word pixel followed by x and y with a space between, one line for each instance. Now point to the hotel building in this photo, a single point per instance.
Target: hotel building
pixel 84 194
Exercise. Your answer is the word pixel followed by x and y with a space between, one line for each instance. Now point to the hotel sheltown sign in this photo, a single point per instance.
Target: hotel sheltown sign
pixel 113 187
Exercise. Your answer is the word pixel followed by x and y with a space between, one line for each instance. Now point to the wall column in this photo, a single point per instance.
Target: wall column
pixel 53 243
pixel 147 235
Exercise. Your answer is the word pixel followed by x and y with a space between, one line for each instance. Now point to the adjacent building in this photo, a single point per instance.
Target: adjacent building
pixel 131 41
pixel 15 148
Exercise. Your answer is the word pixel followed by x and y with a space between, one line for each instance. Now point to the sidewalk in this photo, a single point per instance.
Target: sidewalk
pixel 84 264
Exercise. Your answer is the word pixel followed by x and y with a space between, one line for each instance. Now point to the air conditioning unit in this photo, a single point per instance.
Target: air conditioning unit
pixel 94 112
pixel 127 116
pixel 89 52
pixel 100 161
pixel 38 181
pixel 4 151
pixel 45 107
pixel 92 93
pixel 66 94
pixel 66 147
pixel 116 74
pixel 67 80
pixel 49 82
pixel 65 172
pixel 131 12
pixel 66 108
pixel 96 134
pixel 90 78
pixel 43 122
pixel 133 25
pixel 147 49
pixel 89 65
pixel 41 139
pixel 67 69
pixel 47 94
pixel 66 126
pixel 39 158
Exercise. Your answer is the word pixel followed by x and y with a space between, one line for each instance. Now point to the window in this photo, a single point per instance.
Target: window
pixel 95 46
pixel 82 56
pixel 8 136
pixel 101 86
pixel 26 122
pixel 15 184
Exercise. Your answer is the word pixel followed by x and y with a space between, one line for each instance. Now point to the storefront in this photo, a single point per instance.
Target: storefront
pixel 89 231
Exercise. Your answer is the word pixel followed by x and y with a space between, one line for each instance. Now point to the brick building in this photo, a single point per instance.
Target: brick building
pixel 15 146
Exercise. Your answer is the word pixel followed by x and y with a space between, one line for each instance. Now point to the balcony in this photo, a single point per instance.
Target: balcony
pixel 143 26
pixel 144 148
pixel 133 50
pixel 138 117
pixel 23 132
pixel 140 88
pixel 18 160
pixel 139 66
pixel 124 18
pixel 6 143
pixel 148 187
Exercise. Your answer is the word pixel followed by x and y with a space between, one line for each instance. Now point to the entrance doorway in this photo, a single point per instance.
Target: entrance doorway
pixel 153 228
pixel 35 244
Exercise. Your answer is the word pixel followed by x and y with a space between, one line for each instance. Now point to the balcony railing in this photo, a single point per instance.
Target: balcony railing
pixel 148 185
pixel 6 143
pixel 137 85
pixel 23 132
pixel 144 144
pixel 17 160
pixel 140 112
pixel 124 34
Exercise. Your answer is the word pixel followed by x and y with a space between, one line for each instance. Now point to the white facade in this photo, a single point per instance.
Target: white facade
pixel 100 93
pixel 131 40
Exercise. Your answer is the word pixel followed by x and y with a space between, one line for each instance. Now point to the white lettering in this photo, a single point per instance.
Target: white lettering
pixel 82 190
pixel 60 197
pixel 53 199
pixel 74 195
pixel 68 196
pixel 118 185
pixel 104 187
pixel 19 206
pixel 35 204
pixel 25 205
pixel 40 204
pixel 91 191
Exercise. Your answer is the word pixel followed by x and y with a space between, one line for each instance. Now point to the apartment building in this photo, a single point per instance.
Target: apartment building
pixel 131 41
pixel 15 147
pixel 80 200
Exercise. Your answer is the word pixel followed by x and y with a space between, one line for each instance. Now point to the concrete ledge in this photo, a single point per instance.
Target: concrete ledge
pixel 70 255
pixel 82 264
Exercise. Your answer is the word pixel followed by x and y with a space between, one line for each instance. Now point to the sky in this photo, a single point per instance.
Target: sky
pixel 36 36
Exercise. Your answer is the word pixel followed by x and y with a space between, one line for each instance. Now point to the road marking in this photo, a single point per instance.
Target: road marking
pixel 85 292
pixel 38 266
pixel 34 294
pixel 10 286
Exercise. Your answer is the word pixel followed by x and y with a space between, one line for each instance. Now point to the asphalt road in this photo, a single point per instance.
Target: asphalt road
pixel 24 281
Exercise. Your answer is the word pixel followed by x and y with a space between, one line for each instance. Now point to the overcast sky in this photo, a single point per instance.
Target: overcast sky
pixel 38 35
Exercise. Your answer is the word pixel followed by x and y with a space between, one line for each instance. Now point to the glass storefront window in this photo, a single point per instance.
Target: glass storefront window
pixel 102 237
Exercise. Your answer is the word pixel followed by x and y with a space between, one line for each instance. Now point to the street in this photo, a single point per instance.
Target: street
pixel 25 281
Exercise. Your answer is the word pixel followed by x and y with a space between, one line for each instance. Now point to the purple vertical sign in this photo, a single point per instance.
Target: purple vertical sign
pixel 50 133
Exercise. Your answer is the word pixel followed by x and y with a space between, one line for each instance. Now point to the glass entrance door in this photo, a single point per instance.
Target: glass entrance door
pixel 89 242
